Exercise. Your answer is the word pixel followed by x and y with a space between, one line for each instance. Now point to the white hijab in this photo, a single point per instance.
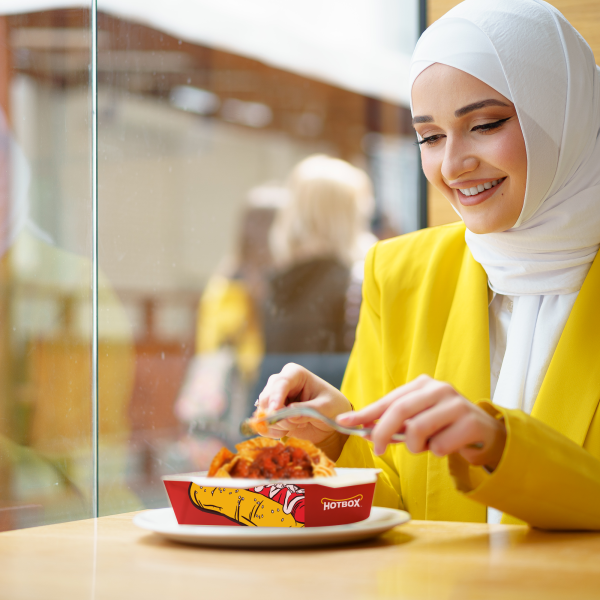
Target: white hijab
pixel 527 51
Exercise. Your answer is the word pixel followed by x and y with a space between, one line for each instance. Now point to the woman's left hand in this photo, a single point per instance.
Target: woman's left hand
pixel 435 417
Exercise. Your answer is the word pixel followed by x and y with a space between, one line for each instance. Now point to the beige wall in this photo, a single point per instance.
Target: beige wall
pixel 171 185
pixel 584 15
pixel 183 182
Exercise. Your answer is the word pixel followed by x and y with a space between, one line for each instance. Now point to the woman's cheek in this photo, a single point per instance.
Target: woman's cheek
pixel 432 167
pixel 500 155
pixel 509 154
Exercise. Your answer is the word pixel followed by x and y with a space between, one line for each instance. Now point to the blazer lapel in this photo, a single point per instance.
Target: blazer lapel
pixel 464 361
pixel 428 316
pixel 570 392
pixel 447 338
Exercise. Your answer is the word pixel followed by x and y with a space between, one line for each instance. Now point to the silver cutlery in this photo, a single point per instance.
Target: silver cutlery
pixel 247 429
pixel 297 410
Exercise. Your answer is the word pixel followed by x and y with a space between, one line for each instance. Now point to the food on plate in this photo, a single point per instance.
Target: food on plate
pixel 265 458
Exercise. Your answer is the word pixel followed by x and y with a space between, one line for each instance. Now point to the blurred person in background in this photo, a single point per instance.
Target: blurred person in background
pixel 318 241
pixel 229 339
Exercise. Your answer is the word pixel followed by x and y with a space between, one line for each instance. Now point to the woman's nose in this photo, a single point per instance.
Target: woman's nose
pixel 459 159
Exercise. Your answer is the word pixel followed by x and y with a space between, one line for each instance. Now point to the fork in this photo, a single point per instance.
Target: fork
pixel 247 429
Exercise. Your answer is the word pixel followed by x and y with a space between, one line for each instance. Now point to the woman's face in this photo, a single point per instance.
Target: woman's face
pixel 472 147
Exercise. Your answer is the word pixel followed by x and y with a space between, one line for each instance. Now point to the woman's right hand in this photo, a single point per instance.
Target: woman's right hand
pixel 297 384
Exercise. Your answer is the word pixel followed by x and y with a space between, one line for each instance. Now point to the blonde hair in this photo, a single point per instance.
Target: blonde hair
pixel 330 204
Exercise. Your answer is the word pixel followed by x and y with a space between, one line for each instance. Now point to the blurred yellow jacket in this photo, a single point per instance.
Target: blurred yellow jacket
pixel 425 310
pixel 227 316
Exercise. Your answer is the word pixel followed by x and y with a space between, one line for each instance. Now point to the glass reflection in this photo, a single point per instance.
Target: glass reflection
pixel 45 268
pixel 224 267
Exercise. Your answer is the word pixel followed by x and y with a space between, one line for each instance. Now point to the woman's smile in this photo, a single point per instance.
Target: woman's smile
pixel 472 193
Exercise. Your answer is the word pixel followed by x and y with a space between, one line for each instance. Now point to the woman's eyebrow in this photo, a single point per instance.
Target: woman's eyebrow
pixel 461 112
pixel 465 110
pixel 423 119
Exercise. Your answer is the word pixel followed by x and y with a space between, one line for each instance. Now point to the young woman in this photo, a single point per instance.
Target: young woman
pixel 481 340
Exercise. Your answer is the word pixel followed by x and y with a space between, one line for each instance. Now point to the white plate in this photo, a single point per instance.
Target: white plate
pixel 163 522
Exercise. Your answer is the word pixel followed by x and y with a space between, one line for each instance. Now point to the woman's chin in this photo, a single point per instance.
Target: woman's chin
pixel 479 220
pixel 497 213
pixel 482 224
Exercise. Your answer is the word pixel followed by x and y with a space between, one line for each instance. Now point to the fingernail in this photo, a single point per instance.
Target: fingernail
pixel 343 417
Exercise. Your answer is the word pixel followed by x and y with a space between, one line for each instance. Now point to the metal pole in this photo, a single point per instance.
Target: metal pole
pixel 422 217
pixel 422 16
pixel 95 412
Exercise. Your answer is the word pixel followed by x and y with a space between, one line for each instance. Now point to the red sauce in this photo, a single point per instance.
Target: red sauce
pixel 277 462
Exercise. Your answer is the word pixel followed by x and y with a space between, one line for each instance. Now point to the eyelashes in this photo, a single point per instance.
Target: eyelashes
pixel 432 139
pixel 489 126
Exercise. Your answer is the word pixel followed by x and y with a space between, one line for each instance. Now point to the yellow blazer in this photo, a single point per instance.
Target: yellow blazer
pixel 425 310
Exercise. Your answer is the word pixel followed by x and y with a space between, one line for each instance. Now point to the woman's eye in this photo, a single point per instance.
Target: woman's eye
pixel 490 126
pixel 431 140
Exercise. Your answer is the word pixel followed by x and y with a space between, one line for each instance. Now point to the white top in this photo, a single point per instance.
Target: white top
pixel 500 312
pixel 515 384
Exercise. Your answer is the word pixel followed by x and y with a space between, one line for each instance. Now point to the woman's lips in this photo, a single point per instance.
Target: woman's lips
pixel 478 198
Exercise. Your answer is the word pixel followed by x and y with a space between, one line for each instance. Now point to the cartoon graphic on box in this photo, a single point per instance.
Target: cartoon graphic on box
pixel 276 505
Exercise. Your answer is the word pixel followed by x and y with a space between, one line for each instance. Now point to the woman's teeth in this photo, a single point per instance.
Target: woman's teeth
pixel 480 188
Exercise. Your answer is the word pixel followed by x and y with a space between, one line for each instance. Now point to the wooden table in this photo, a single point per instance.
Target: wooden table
pixel 110 558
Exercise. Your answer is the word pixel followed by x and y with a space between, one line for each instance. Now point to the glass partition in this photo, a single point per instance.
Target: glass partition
pixel 249 155
pixel 45 267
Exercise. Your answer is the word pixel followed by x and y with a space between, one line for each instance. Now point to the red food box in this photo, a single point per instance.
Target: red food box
pixel 317 502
